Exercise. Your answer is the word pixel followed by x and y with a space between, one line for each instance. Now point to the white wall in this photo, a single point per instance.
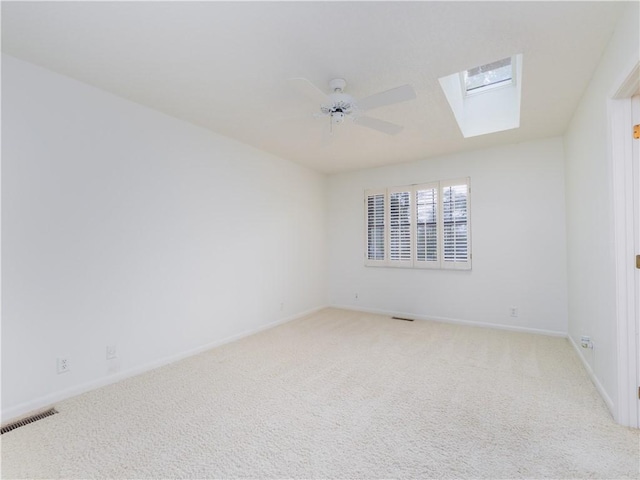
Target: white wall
pixel 591 269
pixel 518 241
pixel 121 225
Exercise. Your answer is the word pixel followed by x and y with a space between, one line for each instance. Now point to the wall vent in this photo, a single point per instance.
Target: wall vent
pixel 27 420
pixel 400 318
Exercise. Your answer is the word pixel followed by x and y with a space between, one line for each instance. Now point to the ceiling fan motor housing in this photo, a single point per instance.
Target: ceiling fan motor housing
pixel 342 104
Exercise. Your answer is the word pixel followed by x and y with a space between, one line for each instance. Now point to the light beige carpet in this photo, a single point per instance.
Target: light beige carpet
pixel 341 395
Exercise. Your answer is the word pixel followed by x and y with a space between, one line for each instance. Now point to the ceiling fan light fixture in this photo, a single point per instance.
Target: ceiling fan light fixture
pixel 337 117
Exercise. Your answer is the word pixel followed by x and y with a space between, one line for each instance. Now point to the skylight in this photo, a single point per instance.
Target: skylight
pixel 486 99
pixel 491 75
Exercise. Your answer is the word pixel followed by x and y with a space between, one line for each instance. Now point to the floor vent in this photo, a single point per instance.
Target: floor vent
pixel 27 420
pixel 400 318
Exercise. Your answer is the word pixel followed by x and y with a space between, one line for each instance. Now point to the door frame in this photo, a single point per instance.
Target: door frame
pixel 624 214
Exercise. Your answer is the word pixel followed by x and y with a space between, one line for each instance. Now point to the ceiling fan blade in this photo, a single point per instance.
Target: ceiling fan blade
pixel 309 90
pixel 389 97
pixel 379 125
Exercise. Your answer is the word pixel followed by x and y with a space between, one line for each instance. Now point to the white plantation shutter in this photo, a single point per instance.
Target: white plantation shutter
pixel 423 226
pixel 375 219
pixel 400 215
pixel 455 249
pixel 426 225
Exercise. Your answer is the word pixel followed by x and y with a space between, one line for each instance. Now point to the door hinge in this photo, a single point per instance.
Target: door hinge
pixel 637 261
pixel 638 392
pixel 636 131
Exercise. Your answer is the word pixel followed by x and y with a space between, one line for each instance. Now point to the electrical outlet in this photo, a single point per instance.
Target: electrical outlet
pixel 111 352
pixel 585 342
pixel 281 306
pixel 63 364
pixel 513 311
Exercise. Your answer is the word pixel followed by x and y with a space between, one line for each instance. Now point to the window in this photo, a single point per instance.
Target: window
pixel 455 213
pixel 420 226
pixel 375 227
pixel 488 76
pixel 427 225
pixel 400 226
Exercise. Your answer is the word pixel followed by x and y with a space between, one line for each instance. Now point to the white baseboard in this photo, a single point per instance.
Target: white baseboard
pixel 553 333
pixel 603 393
pixel 32 406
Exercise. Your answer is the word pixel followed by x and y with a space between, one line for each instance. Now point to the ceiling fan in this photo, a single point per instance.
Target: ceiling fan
pixel 338 106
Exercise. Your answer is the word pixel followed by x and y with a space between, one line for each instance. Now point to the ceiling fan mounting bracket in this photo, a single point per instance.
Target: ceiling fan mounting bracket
pixel 337 84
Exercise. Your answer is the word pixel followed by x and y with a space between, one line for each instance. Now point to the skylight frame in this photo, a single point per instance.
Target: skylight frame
pixel 491 86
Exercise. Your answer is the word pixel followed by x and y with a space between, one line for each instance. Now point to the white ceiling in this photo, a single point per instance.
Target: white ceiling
pixel 225 65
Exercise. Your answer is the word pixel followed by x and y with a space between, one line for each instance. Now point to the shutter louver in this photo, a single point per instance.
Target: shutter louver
pixel 400 226
pixel 375 227
pixel 427 225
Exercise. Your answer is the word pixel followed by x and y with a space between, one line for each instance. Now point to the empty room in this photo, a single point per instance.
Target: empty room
pixel 320 239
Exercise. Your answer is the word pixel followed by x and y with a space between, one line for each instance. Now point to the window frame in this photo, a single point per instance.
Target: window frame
pixel 441 262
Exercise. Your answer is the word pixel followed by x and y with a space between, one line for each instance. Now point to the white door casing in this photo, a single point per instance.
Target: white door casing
pixel 635 113
pixel 625 214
